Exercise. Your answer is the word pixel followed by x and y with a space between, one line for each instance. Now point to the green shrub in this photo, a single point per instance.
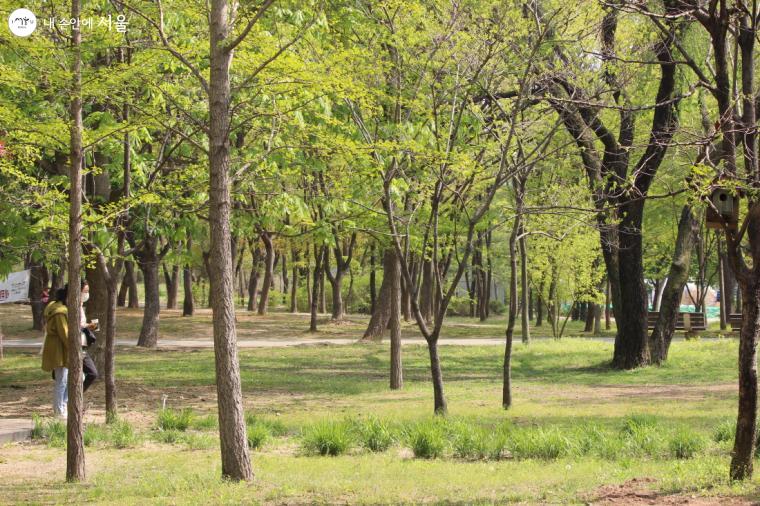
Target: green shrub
pixel 642 435
pixel 207 422
pixel 427 439
pixel 198 441
pixel 123 435
pixel 53 429
pixel 725 431
pixel 38 430
pixel 374 434
pixel 93 434
pixel 468 442
pixel 168 436
pixel 171 419
pixel 686 443
pixel 327 437
pixel 276 427
pixel 547 444
pixel 258 435
pixel 633 424
pixel 596 441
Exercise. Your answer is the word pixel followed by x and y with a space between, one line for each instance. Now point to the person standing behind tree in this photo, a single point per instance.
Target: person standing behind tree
pixel 88 366
pixel 55 350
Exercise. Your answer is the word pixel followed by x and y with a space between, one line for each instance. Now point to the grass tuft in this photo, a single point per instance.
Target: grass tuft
pixel 427 439
pixel 171 419
pixel 374 434
pixel 326 437
pixel 686 443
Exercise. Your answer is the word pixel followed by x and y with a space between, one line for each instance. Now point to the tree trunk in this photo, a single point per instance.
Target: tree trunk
pixel 337 298
pixel 427 291
pixel 128 289
pixel 607 322
pixel 188 305
pixel 294 283
pixel 319 260
pixel 75 467
pixel 631 340
pixel 37 282
pixel 742 457
pixel 688 228
pixel 172 286
pixel 285 280
pixel 439 398
pixel 253 280
pixel 590 312
pixel 372 288
pixel 148 261
pixel 659 287
pixel 236 463
pixel 383 311
pixel 322 294
pixel 506 395
pixel 266 286
pixel 393 267
pixel 524 290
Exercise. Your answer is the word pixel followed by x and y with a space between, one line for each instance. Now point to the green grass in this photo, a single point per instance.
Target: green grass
pixel 327 437
pixel 576 424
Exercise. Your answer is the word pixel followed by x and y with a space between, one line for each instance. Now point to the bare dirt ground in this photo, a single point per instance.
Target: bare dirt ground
pixel 638 492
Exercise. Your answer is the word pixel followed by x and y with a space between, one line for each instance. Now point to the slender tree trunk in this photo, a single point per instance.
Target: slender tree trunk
pixel 253 280
pixel 37 281
pixel 294 283
pixel 372 289
pixel 322 294
pixel 590 312
pixel 607 322
pixel 506 397
pixel 172 286
pixel 688 228
pixel 266 286
pixel 75 466
pixel 129 287
pixel 236 462
pixel 439 398
pixel 383 311
pixel 337 298
pixel 319 260
pixel 188 305
pixel 427 291
pixel 722 280
pixel 393 268
pixel 148 262
pixel 524 290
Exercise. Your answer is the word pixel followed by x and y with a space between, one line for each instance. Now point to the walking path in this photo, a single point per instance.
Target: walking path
pixel 15 429
pixel 266 343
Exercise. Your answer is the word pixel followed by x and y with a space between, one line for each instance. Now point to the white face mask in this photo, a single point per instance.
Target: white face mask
pixel 85 297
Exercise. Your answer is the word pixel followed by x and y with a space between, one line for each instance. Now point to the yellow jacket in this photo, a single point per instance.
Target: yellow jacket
pixel 56 348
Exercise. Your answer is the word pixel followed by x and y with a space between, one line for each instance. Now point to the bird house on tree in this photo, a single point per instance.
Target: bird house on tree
pixel 723 210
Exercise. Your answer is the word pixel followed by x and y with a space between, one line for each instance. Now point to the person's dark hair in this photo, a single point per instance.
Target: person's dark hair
pixel 62 293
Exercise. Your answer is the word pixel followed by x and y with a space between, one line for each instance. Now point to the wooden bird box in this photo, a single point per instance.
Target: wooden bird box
pixel 723 211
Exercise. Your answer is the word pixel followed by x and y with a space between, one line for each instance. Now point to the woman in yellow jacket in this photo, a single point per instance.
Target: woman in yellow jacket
pixel 56 349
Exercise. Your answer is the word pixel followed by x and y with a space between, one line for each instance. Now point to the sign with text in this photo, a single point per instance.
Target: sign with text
pixel 15 287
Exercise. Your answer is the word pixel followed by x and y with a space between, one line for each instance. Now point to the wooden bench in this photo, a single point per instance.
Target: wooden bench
pixel 735 320
pixel 691 323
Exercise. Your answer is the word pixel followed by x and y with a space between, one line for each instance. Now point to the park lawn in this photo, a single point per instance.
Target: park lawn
pixel 558 386
pixel 16 322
